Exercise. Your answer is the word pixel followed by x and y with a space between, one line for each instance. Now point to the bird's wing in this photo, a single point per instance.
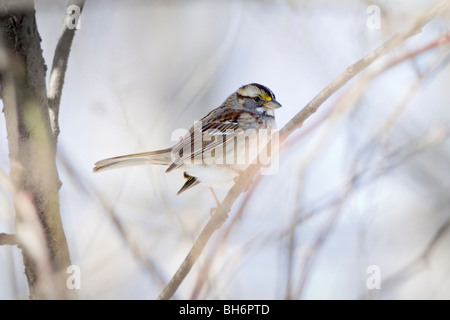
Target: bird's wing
pixel 215 129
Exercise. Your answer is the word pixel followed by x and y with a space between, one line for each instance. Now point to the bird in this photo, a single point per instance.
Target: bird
pixel 219 147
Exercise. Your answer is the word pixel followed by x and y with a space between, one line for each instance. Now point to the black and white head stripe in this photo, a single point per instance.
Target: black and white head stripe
pixel 255 89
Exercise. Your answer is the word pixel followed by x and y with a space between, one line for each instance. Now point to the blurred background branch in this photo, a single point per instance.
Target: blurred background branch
pixel 221 213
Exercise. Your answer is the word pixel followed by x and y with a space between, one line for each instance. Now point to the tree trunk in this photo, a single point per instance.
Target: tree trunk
pixel 32 151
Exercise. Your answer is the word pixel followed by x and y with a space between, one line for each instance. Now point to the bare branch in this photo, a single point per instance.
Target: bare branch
pixel 214 223
pixel 59 67
pixel 222 211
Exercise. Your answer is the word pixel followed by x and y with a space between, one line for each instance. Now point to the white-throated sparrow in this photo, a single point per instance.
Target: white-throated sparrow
pixel 219 146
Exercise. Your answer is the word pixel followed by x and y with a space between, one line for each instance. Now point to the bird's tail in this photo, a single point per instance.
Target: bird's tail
pixel 161 157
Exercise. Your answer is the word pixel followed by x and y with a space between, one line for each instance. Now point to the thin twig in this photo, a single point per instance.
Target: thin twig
pixel 8 239
pixel 295 123
pixel 319 242
pixel 443 39
pixel 418 264
pixel 59 67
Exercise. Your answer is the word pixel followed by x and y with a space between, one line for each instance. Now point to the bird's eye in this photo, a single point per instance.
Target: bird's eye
pixel 257 99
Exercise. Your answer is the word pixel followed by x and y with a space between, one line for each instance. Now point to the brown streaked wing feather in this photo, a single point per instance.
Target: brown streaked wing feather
pixel 227 123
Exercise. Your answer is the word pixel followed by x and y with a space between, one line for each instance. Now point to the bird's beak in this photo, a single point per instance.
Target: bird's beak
pixel 272 105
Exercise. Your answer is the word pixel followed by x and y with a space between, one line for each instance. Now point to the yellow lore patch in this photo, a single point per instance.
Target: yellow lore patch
pixel 265 96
